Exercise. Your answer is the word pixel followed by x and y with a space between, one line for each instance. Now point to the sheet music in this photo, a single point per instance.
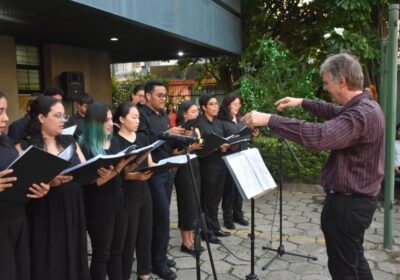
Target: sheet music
pixel 69 130
pixel 68 153
pixel 181 159
pixel 249 173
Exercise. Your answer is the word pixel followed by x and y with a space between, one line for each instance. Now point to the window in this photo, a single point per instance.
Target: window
pixel 29 71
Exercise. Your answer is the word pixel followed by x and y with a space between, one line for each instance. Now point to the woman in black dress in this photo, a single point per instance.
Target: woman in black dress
pixel 105 198
pixel 140 208
pixel 14 241
pixel 187 206
pixel 229 114
pixel 57 225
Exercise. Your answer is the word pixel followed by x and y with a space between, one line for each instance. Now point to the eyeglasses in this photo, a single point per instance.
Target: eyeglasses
pixel 236 105
pixel 62 117
pixel 160 95
pixel 212 104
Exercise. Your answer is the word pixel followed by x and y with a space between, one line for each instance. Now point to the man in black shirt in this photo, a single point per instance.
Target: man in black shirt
pixel 153 121
pixel 82 102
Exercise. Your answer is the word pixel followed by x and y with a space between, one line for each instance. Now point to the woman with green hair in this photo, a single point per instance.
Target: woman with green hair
pixel 105 198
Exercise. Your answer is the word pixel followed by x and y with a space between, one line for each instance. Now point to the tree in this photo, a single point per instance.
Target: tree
pixel 313 29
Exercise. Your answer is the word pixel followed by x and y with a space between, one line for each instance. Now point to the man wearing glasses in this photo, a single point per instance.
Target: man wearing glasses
pixel 153 122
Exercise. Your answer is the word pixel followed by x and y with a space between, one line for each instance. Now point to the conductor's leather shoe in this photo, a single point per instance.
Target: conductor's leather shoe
pixel 164 273
pixel 229 225
pixel 221 233
pixel 241 221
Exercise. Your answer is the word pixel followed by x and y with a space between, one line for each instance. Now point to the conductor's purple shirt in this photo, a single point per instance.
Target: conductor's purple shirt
pixel 354 134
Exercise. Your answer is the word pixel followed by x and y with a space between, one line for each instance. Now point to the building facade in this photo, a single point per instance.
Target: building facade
pixel 40 40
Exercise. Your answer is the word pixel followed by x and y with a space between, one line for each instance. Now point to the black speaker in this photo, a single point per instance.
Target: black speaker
pixel 73 85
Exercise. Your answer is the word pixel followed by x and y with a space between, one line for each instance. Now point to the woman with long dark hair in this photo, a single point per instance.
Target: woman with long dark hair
pixel 105 199
pixel 140 208
pixel 14 234
pixel 57 223
pixel 229 114
pixel 187 207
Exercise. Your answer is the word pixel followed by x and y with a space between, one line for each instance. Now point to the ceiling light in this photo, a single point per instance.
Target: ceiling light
pixel 180 53
pixel 114 39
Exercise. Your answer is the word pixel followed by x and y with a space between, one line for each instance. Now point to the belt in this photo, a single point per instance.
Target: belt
pixel 331 192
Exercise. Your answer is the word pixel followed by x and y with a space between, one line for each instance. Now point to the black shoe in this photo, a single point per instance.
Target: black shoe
pixel 191 251
pixel 171 263
pixel 187 250
pixel 221 233
pixel 164 273
pixel 241 221
pixel 211 238
pixel 229 225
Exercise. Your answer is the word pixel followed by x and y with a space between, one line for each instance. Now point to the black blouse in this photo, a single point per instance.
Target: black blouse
pixel 134 187
pixel 109 198
pixel 8 155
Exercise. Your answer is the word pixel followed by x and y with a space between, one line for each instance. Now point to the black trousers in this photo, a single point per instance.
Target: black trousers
pixel 107 235
pixel 161 189
pixel 139 231
pixel 212 186
pixel 14 244
pixel 344 220
pixel 231 200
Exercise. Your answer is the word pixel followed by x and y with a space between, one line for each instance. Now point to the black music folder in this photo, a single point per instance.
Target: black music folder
pixel 211 142
pixel 166 164
pixel 86 172
pixel 190 124
pixel 33 166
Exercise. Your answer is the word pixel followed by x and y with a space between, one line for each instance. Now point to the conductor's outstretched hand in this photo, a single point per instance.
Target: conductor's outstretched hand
pixel 288 102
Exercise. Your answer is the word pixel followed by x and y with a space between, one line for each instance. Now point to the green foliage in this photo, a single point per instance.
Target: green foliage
pixel 121 90
pixel 311 160
pixel 271 73
pixel 301 25
pixel 223 69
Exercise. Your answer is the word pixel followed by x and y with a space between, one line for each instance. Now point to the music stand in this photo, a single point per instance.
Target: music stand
pixel 201 222
pixel 280 251
pixel 252 178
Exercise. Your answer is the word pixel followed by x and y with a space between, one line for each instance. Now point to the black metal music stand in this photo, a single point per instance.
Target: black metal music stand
pixel 280 251
pixel 201 222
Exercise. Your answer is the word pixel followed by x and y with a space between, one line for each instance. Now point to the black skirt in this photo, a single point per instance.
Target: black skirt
pixel 187 206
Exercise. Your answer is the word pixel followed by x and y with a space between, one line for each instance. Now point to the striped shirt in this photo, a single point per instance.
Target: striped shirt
pixel 354 134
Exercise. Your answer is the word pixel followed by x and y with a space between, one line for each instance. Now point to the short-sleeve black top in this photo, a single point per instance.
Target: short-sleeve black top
pixel 134 187
pixel 105 200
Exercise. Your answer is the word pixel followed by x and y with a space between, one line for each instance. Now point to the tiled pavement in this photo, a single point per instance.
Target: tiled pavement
pixel 301 219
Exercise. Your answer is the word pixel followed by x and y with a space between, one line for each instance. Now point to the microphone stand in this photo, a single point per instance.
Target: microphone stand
pixel 280 251
pixel 201 222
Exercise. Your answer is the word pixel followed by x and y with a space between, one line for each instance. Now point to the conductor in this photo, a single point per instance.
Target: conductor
pixel 354 134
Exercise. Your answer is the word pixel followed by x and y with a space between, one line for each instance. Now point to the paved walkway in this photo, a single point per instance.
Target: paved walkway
pixel 302 235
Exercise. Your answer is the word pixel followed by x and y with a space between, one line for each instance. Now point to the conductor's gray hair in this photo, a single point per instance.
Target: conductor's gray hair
pixel 345 66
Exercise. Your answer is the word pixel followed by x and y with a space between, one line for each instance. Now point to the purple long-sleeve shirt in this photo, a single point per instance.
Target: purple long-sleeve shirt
pixel 354 134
